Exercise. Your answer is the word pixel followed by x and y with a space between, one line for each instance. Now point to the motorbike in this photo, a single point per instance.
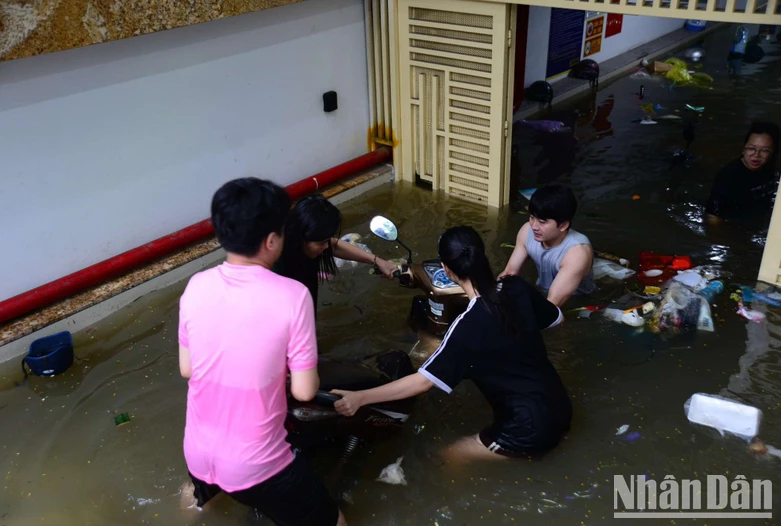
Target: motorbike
pixel 442 300
pixel 316 423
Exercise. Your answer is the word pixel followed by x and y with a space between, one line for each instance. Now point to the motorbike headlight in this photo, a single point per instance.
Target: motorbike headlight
pixel 311 414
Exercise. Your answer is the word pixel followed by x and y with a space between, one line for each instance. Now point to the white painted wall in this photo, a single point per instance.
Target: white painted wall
pixel 108 147
pixel 637 30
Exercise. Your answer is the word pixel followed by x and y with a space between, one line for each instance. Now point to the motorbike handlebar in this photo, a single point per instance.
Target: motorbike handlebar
pixel 326 398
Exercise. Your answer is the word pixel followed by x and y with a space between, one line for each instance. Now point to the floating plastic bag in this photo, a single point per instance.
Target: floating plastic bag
pixel 353 239
pixel 393 474
pixel 604 268
pixel 724 415
pixel 693 280
pixel 679 310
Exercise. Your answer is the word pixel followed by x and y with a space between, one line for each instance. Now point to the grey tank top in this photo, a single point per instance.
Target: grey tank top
pixel 548 260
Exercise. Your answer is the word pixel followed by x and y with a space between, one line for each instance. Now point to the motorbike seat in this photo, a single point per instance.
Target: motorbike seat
pixel 346 376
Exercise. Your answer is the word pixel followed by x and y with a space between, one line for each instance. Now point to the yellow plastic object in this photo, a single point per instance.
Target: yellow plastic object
pixel 677 63
pixel 678 75
pixel 649 108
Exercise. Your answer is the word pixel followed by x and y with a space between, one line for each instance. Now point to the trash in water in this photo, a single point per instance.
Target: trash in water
pixel 750 295
pixel 697 109
pixel 631 437
pixel 751 315
pixel 393 474
pixel 691 279
pixel 635 197
pixel 653 273
pixel 121 419
pixel 633 319
pixel 640 75
pixel 602 267
pixel 711 290
pixel 649 307
pixel 652 291
pixel 528 193
pixel 679 310
pixel 647 120
pixel 723 414
pixel 757 446
pixel 649 108
pixel 705 320
pixel 353 239
pixel 621 430
pixel 629 318
pixel 669 117
pixel 611 257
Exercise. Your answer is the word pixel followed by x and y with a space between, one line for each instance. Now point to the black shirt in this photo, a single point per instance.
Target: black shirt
pixel 509 368
pixel 739 191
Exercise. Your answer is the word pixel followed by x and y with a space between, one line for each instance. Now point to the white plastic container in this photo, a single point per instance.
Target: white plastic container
pixel 723 415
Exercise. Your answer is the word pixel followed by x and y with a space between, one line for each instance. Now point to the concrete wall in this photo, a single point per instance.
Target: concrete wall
pixel 637 30
pixel 107 147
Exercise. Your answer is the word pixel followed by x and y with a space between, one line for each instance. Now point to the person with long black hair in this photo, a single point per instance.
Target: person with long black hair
pixel 496 343
pixel 312 242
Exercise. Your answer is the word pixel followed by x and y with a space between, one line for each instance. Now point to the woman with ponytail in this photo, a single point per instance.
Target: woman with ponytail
pixel 497 344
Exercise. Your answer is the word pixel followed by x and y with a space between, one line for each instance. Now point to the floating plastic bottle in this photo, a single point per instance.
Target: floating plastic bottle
pixel 712 289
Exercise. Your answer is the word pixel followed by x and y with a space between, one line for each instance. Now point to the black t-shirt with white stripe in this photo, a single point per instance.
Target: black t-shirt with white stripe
pixel 508 367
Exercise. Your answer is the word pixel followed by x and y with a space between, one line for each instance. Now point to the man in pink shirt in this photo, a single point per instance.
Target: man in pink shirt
pixel 241 328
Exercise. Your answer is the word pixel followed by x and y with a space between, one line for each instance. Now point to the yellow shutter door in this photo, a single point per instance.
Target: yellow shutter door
pixel 453 65
pixel 770 270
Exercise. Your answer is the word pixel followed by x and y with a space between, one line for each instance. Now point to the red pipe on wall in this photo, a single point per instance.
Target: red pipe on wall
pixel 81 280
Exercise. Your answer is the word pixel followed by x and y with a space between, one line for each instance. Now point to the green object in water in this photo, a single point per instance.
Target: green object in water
pixel 122 419
pixel 698 109
pixel 507 245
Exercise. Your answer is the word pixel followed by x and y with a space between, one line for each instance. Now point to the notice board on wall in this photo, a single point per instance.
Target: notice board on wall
pixel 564 40
pixel 615 23
pixel 592 43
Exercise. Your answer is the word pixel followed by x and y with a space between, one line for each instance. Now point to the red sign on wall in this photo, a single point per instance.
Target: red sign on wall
pixel 614 24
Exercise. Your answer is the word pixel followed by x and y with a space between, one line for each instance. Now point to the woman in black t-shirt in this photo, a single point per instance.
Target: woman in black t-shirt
pixel 747 184
pixel 497 344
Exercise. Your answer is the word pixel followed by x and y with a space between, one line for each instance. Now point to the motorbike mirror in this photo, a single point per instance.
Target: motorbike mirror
pixel 384 228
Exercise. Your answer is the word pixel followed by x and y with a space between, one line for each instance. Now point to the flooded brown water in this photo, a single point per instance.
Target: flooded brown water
pixel 64 461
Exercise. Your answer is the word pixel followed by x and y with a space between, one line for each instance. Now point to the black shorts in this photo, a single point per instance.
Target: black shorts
pixel 292 497
pixel 533 430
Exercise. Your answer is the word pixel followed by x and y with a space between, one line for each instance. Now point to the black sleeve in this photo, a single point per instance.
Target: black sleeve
pixel 546 313
pixel 533 309
pixel 719 201
pixel 449 363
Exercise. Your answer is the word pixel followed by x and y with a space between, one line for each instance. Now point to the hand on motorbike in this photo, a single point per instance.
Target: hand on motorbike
pixel 349 404
pixel 386 267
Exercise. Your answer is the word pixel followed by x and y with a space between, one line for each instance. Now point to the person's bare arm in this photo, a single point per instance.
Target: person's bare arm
pixel 519 255
pixel 406 387
pixel 185 366
pixel 575 265
pixel 304 384
pixel 350 252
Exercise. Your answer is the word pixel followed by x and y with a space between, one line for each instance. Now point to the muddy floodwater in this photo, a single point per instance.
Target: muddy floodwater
pixel 64 462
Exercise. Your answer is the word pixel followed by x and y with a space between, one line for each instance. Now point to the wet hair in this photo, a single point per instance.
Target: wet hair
pixel 314 219
pixel 462 249
pixel 766 128
pixel 245 211
pixel 555 202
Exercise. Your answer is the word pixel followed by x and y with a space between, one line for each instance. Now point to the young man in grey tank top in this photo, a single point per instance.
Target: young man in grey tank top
pixel 563 256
